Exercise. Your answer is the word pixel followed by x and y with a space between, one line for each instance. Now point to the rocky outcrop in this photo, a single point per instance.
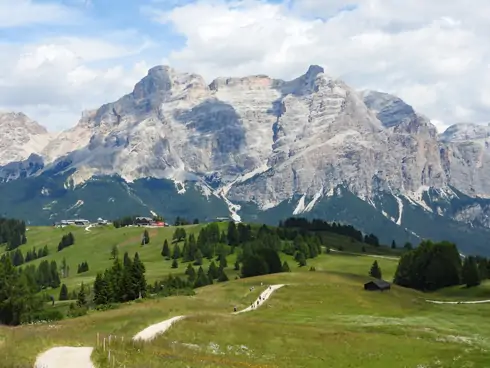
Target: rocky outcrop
pixel 20 137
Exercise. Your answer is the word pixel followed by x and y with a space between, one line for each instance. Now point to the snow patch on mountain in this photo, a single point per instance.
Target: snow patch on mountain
pixel 400 210
pixel 315 199
pixel 300 208
pixel 416 197
pixel 78 204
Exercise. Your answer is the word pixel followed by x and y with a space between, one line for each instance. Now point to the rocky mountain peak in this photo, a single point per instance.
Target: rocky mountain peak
pixel 465 132
pixel 20 136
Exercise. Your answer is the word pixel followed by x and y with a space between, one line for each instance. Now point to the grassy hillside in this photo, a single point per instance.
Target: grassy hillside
pixel 320 318
pixel 95 245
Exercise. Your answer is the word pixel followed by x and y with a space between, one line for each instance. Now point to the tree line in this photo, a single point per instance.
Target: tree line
pixel 17 257
pixel 435 265
pixel 19 288
pixel 66 241
pixel 12 233
pixel 123 282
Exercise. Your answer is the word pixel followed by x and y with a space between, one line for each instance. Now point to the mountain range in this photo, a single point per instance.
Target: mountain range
pixel 255 149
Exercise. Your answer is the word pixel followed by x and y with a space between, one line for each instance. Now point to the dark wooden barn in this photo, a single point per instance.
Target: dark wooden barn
pixel 377 285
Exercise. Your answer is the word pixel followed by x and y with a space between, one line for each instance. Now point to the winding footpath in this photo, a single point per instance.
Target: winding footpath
pixel 79 357
pixel 458 302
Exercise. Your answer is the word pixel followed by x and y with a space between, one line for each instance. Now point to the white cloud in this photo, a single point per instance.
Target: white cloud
pixel 53 82
pixel 434 55
pixel 14 13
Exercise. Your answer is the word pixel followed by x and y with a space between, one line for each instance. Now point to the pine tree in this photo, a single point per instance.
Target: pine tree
pixel 145 239
pixel 285 267
pixel 213 271
pixel 198 258
pixel 375 271
pixel 165 250
pixel 408 246
pixel 55 277
pixel 237 266
pixel 470 273
pixel 201 279
pixel 114 252
pixel 232 234
pixel 186 252
pixel 139 276
pixel 301 259
pixel 191 273
pixel 82 297
pixel 393 245
pixel 175 264
pixel 126 260
pixel 176 252
pixel 63 293
pixel 101 292
pixel 222 275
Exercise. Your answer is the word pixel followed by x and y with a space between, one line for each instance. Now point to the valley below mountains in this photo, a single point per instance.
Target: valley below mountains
pixel 255 149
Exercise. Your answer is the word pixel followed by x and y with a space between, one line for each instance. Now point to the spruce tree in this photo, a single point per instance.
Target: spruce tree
pixel 63 293
pixel 165 250
pixel 301 259
pixel 285 267
pixel 175 264
pixel 145 239
pixel 114 252
pixel 393 245
pixel 201 279
pixel 139 276
pixel 470 273
pixel 191 273
pixel 375 271
pixel 186 252
pixel 213 271
pixel 222 275
pixel 82 297
pixel 198 258
pixel 237 266
pixel 126 260
pixel 232 234
pixel 176 252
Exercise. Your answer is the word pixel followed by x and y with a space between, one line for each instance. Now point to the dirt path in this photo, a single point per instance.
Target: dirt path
pixel 134 239
pixel 65 356
pixel 458 302
pixel 366 255
pixel 80 357
pixel 261 299
pixel 153 331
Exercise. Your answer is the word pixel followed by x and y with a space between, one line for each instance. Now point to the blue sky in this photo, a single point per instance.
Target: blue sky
pixel 59 57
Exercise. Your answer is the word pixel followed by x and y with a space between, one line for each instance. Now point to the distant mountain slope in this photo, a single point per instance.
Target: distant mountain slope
pixel 247 146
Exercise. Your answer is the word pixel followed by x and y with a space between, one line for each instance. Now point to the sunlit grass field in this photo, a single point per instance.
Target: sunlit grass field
pixel 319 319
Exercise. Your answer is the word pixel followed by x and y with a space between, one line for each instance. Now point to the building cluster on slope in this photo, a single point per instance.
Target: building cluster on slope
pixel 81 222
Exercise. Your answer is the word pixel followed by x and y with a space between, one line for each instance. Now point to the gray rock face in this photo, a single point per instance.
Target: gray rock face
pixel 20 137
pixel 257 139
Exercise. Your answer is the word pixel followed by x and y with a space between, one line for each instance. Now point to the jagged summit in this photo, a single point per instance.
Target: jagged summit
pixel 20 136
pixel 465 132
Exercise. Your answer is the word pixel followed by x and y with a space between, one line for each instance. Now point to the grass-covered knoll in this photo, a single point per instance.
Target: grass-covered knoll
pixel 94 247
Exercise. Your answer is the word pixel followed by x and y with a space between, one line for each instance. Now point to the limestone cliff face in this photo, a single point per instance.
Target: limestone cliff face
pixel 20 137
pixel 262 140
